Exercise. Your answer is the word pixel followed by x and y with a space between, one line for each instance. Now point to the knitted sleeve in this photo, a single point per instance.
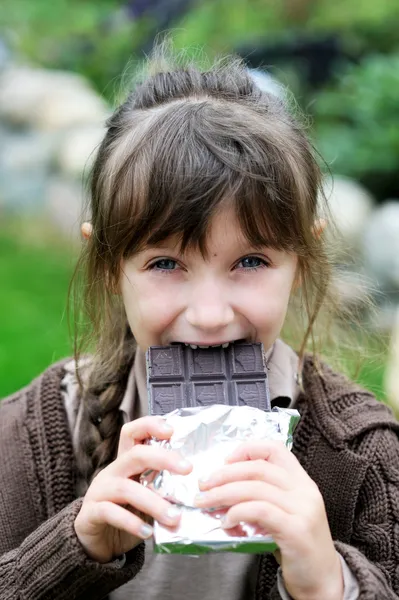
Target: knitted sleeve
pixel 373 555
pixel 41 557
pixel 51 563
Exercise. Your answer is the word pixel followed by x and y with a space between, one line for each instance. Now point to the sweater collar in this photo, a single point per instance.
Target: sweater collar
pixel 282 366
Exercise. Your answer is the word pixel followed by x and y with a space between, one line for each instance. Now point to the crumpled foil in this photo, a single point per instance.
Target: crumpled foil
pixel 206 436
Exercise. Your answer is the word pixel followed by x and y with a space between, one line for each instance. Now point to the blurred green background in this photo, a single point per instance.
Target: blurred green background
pixel 340 59
pixel 33 322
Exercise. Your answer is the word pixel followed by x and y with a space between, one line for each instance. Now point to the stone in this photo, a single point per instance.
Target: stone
pixel 22 152
pixel 78 150
pixel 22 194
pixel 64 205
pixel 351 206
pixel 351 287
pixel 25 164
pixel 381 247
pixel 48 100
pixel 267 83
pixel 5 55
pixel 382 317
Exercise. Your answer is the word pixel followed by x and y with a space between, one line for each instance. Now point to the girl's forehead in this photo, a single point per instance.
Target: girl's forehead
pixel 224 226
pixel 224 233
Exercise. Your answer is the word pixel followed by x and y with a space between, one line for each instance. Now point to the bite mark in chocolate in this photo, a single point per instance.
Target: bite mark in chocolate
pixel 179 376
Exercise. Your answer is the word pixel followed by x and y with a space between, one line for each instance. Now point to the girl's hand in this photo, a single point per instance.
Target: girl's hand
pixel 110 520
pixel 264 483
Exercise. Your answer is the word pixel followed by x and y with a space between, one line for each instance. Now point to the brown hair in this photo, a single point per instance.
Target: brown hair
pixel 184 142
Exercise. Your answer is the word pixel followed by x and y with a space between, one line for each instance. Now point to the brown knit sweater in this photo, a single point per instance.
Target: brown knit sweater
pixel 346 441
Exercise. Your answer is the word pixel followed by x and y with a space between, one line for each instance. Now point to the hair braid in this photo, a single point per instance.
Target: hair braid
pixel 101 420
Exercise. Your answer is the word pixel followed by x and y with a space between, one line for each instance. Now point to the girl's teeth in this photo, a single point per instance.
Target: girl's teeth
pixel 194 347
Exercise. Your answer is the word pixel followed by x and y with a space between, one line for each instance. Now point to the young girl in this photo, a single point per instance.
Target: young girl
pixel 204 229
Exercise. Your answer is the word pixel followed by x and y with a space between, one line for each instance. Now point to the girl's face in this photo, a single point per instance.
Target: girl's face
pixel 238 292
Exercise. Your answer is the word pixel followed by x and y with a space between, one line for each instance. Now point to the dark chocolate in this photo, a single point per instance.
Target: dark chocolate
pixel 179 376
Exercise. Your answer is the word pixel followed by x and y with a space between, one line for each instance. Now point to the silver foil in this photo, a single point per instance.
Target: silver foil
pixel 206 436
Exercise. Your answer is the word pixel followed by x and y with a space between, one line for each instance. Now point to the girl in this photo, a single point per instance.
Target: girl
pixel 204 229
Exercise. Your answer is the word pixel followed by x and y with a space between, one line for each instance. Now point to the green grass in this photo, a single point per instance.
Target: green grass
pixel 33 324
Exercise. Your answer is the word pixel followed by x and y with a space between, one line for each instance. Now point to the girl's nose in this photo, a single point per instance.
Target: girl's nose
pixel 209 313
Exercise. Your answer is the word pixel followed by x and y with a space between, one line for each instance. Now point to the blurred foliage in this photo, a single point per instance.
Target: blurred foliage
pixel 358 115
pixel 356 119
pixel 99 38
pixel 346 14
pixel 222 24
pixel 91 38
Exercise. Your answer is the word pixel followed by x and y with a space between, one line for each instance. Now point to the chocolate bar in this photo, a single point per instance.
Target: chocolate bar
pixel 179 376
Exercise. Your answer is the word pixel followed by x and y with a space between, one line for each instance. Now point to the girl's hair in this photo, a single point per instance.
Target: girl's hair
pixel 185 143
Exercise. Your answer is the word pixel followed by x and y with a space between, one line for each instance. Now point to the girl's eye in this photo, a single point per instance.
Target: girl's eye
pixel 163 264
pixel 249 263
pixel 252 263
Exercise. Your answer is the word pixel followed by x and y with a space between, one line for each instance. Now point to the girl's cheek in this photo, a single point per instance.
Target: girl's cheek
pixel 158 308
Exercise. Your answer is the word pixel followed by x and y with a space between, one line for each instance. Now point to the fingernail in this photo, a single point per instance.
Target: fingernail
pixel 225 523
pixel 166 428
pixel 145 531
pixel 184 464
pixel 200 498
pixel 173 512
pixel 204 479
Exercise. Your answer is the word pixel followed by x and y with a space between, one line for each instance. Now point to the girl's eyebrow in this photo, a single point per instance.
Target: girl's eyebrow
pixel 241 249
pixel 161 247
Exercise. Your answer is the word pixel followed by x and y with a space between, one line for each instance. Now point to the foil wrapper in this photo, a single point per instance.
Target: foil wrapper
pixel 206 436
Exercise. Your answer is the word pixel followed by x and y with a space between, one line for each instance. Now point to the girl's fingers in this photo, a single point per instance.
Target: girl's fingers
pixel 274 452
pixel 141 499
pixel 120 518
pixel 268 516
pixel 244 491
pixel 142 457
pixel 135 432
pixel 259 470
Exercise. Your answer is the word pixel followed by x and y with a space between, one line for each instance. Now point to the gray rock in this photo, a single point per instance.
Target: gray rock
pixel 352 289
pixel 22 193
pixel 25 164
pixel 78 149
pixel 381 247
pixel 64 205
pixel 267 83
pixel 48 100
pixel 351 206
pixel 22 152
pixel 5 55
pixel 381 319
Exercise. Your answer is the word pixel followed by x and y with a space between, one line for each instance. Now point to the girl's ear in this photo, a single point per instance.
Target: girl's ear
pixel 318 227
pixel 86 230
